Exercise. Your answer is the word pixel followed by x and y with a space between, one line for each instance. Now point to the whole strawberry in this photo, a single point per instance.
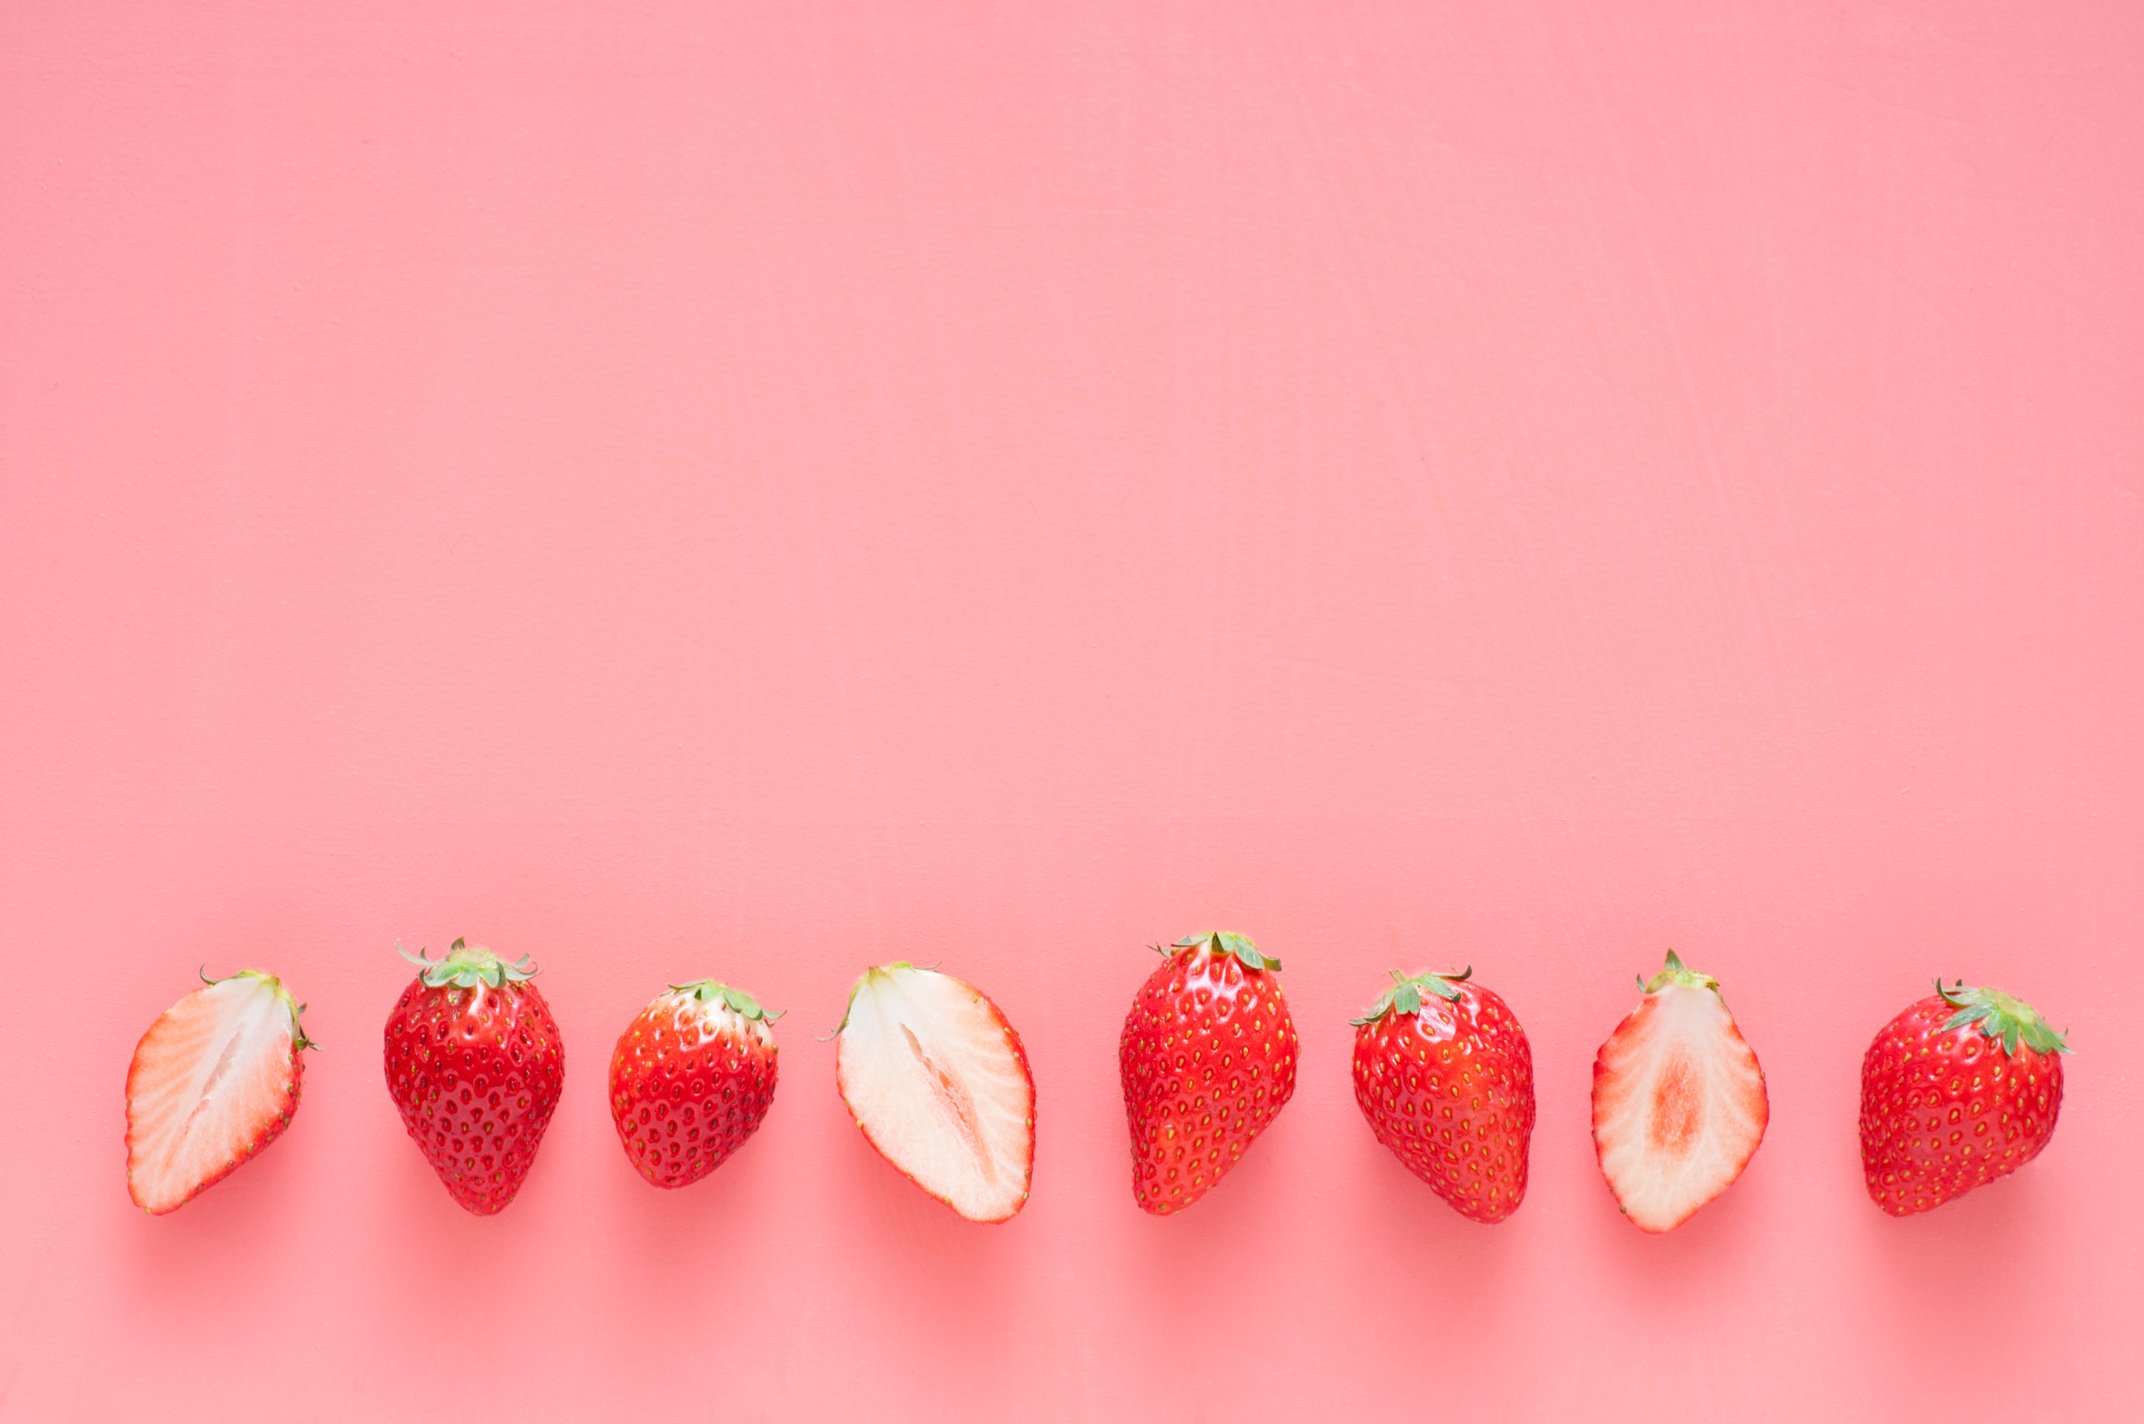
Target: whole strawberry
pixel 691 1080
pixel 474 1061
pixel 1208 1060
pixel 1445 1077
pixel 1961 1088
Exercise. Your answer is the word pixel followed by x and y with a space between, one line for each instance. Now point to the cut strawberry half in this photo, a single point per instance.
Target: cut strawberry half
pixel 1678 1100
pixel 214 1080
pixel 938 1081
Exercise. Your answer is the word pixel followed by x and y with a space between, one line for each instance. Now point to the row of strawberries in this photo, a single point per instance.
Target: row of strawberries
pixel 1961 1088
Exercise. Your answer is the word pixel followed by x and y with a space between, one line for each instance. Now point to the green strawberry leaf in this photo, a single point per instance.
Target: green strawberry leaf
pixel 1405 995
pixel 709 990
pixel 2000 1018
pixel 1230 943
pixel 466 966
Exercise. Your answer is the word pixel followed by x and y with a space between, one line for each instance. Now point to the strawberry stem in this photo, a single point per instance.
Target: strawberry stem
pixel 1673 972
pixel 467 965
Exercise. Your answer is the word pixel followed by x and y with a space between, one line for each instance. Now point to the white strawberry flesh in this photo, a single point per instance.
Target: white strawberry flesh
pixel 937 1080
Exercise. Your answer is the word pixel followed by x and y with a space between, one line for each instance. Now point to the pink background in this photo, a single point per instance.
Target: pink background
pixel 764 492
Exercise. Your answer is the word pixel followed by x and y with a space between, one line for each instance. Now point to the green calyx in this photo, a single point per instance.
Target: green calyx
pixel 467 966
pixel 1405 995
pixel 1226 942
pixel 1673 972
pixel 1998 1016
pixel 707 991
pixel 297 1010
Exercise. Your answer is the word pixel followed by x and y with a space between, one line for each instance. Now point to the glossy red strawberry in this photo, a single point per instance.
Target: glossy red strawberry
pixel 691 1079
pixel 1445 1077
pixel 1961 1088
pixel 474 1061
pixel 213 1082
pixel 1679 1104
pixel 1208 1060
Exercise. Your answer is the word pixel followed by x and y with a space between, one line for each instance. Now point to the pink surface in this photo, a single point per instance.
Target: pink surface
pixel 761 493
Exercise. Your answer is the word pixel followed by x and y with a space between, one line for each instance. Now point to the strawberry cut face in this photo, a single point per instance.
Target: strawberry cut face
pixel 1679 1103
pixel 938 1082
pixel 213 1081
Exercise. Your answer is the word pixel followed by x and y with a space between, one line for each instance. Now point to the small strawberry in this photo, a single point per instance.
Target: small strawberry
pixel 213 1082
pixel 691 1080
pixel 1208 1060
pixel 474 1061
pixel 938 1082
pixel 1961 1088
pixel 1678 1100
pixel 1445 1077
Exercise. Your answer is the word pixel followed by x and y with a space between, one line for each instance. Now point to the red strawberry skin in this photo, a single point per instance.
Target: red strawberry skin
pixel 1208 1060
pixel 692 1078
pixel 1445 1077
pixel 1961 1088
pixel 475 1063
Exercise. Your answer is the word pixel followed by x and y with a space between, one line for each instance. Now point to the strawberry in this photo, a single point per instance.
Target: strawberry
pixel 213 1082
pixel 474 1061
pixel 1445 1078
pixel 691 1080
pixel 1961 1088
pixel 1208 1061
pixel 938 1082
pixel 1678 1100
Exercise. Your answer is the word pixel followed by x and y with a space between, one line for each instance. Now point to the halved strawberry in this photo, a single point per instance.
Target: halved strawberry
pixel 1678 1100
pixel 214 1080
pixel 938 1081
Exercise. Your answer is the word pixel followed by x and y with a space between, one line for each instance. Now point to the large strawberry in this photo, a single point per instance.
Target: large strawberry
pixel 1208 1060
pixel 937 1080
pixel 213 1082
pixel 1961 1088
pixel 474 1061
pixel 1445 1077
pixel 691 1079
pixel 1678 1100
